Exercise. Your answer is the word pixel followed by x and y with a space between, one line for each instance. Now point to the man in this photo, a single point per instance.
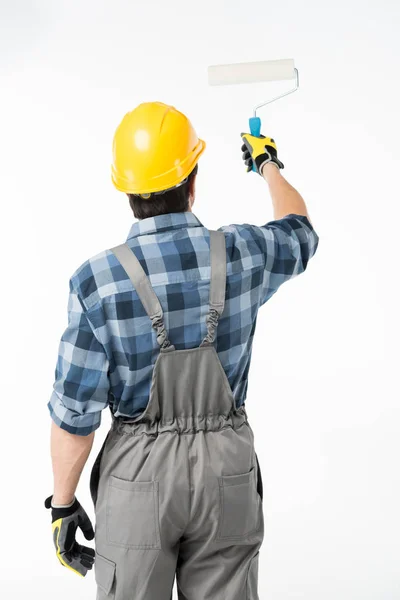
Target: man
pixel 160 331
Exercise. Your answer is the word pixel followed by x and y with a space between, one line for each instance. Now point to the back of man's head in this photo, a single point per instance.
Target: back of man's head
pixel 177 199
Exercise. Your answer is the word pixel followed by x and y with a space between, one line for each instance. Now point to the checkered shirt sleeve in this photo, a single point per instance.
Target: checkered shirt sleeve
pixel 81 387
pixel 284 246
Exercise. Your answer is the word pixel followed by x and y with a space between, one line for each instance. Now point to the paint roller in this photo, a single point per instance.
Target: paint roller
pixel 255 72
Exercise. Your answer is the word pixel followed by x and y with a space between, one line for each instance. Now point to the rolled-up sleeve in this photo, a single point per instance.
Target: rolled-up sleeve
pixel 283 247
pixel 81 387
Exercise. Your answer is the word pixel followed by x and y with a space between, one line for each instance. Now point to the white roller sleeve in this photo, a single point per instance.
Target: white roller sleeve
pixel 253 72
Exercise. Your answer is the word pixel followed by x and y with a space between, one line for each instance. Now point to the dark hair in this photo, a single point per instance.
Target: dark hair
pixel 171 201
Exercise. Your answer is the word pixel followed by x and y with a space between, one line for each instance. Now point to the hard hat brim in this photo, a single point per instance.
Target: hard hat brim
pixel 164 181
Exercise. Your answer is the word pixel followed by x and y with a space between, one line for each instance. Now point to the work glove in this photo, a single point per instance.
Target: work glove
pixel 259 151
pixel 65 522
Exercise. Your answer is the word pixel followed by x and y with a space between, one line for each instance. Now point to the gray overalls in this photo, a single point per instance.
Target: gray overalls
pixel 177 490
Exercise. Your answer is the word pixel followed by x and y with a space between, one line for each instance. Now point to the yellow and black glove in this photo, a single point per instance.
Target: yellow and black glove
pixel 258 151
pixel 65 522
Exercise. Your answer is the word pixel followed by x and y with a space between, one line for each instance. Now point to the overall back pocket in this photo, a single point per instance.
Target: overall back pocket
pixel 239 506
pixel 132 513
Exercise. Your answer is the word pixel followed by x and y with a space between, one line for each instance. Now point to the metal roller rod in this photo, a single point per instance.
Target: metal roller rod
pixel 281 96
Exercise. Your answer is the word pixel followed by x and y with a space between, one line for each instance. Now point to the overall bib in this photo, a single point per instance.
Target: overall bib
pixel 177 490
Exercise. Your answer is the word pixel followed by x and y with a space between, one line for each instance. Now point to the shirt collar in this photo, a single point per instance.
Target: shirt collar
pixel 164 223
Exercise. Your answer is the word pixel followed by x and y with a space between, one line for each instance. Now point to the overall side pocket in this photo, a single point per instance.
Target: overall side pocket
pixel 104 572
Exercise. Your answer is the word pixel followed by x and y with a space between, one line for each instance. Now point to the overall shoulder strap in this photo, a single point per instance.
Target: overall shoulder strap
pixel 144 290
pixel 217 284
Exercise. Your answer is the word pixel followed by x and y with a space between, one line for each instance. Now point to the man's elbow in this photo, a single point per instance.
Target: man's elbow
pixel 308 250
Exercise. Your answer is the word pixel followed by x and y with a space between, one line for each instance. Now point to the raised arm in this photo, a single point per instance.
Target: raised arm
pixel 286 244
pixel 260 154
pixel 286 199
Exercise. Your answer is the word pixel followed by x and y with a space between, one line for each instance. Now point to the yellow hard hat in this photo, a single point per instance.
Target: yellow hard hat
pixel 155 148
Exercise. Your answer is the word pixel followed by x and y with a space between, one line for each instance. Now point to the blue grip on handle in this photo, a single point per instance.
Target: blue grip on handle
pixel 255 126
pixel 255 129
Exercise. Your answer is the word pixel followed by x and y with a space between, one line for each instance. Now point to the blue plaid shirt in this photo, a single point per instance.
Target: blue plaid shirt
pixel 108 350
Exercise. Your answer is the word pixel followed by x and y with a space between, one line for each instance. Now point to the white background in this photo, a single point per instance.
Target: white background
pixel 323 394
